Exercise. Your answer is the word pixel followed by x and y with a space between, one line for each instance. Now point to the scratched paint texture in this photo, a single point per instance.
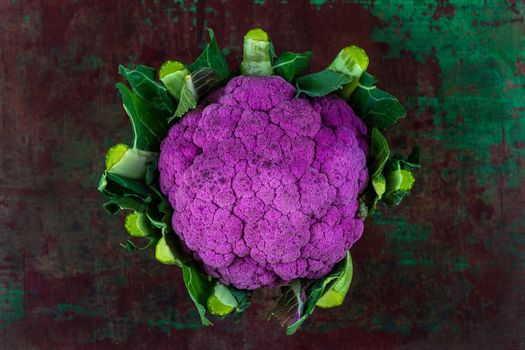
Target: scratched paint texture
pixel 444 270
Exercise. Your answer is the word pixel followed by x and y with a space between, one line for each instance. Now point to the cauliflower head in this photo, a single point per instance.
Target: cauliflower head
pixel 264 185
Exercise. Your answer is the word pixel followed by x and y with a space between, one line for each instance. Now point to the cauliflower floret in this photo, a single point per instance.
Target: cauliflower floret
pixel 264 186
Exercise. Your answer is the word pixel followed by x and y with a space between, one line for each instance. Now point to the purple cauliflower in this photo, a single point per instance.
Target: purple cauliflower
pixel 264 186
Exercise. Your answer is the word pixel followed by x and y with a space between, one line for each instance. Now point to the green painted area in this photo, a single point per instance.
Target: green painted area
pixel 259 2
pixel 148 22
pixel 483 99
pixel 318 2
pixel 11 305
pixel 71 311
pixel 91 62
pixel 26 19
pixel 168 325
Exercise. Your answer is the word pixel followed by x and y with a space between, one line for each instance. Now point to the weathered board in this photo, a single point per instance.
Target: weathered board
pixel 444 270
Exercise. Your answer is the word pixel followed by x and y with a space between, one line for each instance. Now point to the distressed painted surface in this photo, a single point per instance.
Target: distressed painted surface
pixel 445 269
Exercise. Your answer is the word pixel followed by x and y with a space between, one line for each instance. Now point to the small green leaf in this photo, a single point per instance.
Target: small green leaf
pixel 289 64
pixel 200 287
pixel 379 153
pixel 187 100
pixel 213 58
pixel 377 108
pixel 129 246
pixel 321 83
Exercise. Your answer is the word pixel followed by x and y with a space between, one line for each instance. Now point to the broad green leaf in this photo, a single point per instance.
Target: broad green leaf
pixel 149 124
pixel 379 153
pixel 213 58
pixel 120 185
pixel 321 83
pixel 200 287
pixel 377 108
pixel 143 84
pixel 147 71
pixel 289 64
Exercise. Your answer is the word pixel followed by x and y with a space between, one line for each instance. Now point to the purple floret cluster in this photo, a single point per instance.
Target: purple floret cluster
pixel 264 186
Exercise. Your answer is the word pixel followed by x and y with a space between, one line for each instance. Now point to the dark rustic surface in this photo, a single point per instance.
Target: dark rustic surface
pixel 445 270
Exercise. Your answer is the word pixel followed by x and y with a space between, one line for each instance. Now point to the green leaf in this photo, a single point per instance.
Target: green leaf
pixel 289 64
pixel 394 198
pixel 314 293
pixel 203 81
pixel 335 295
pixel 379 153
pixel 129 246
pixel 367 202
pixel 213 58
pixel 121 185
pixel 117 203
pixel 147 71
pixel 298 300
pixel 413 157
pixel 377 108
pixel 321 83
pixel 200 287
pixel 149 123
pixel 143 84
pixel 186 103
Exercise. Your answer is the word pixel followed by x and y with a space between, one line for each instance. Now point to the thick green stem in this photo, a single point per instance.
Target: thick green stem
pixel 352 61
pixel 257 57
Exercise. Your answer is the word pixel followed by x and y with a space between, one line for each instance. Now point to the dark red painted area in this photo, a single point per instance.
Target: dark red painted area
pixel 64 282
